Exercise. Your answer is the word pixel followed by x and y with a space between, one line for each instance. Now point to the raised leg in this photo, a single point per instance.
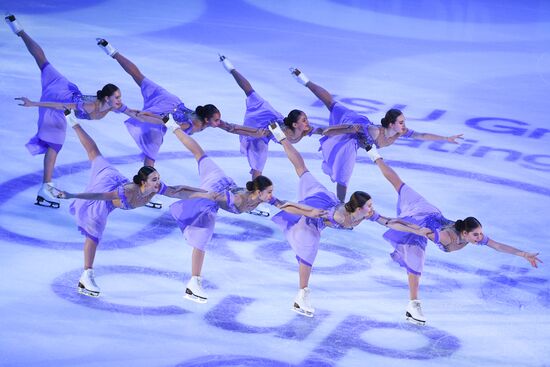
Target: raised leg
pixel 322 94
pixel 130 68
pixel 242 82
pixel 149 162
pixel 190 144
pixel 34 49
pixel 341 191
pixel 389 173
pixel 87 142
pixel 295 157
pixel 256 173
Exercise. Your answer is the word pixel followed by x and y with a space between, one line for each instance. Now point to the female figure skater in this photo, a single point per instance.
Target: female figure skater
pixel 304 234
pixel 106 191
pixel 197 217
pixel 58 92
pixel 259 113
pixel 448 235
pixel 158 103
pixel 340 152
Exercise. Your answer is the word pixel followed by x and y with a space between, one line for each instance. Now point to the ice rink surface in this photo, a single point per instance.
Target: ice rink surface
pixel 481 68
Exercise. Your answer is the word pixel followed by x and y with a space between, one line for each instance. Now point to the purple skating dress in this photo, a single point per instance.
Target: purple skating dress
pixel 197 217
pixel 159 101
pixel 340 151
pixel 52 125
pixel 259 113
pixel 409 248
pixel 304 233
pixel 91 215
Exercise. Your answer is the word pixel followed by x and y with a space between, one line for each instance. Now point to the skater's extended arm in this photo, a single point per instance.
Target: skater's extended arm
pixel 243 130
pixel 55 105
pixel 501 247
pixel 184 192
pixel 300 209
pixel 428 136
pixel 108 196
pixel 342 129
pixel 144 116
pixel 400 225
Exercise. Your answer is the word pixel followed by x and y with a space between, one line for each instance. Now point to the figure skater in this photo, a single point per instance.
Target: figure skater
pixel 448 235
pixel 197 217
pixel 340 152
pixel 57 93
pixel 304 234
pixel 259 113
pixel 107 190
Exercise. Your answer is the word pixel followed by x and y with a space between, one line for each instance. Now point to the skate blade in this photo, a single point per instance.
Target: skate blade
pixel 192 297
pixel 154 205
pixel 259 213
pixel 40 201
pixel 87 292
pixel 302 312
pixel 412 320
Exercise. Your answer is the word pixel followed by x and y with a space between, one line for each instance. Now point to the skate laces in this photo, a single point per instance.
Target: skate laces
pixel 418 307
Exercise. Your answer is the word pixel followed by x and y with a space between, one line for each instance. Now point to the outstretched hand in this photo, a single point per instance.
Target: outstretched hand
pixel 453 138
pixel 532 258
pixel 26 102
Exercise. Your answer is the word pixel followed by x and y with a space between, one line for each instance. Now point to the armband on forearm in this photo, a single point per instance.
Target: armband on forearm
pixel 374 217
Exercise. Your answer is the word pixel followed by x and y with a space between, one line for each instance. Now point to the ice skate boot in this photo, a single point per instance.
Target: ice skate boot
pixel 87 285
pixel 106 46
pixel 154 205
pixel 261 211
pixel 299 76
pixel 277 132
pixel 13 23
pixel 228 65
pixel 372 152
pixel 302 304
pixel 414 313
pixel 194 291
pixel 70 117
pixel 45 197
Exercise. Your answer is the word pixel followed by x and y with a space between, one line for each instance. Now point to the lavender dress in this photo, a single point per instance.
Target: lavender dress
pixel 51 122
pixel 409 248
pixel 259 113
pixel 197 217
pixel 159 101
pixel 340 151
pixel 303 233
pixel 91 215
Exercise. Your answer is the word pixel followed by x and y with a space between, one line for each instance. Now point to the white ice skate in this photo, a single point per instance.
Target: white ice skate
pixel 277 132
pixel 194 291
pixel 71 118
pixel 171 124
pixel 261 210
pixel 302 304
pixel 154 205
pixel 45 197
pixel 414 313
pixel 13 23
pixel 87 285
pixel 372 152
pixel 106 46
pixel 228 65
pixel 299 76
